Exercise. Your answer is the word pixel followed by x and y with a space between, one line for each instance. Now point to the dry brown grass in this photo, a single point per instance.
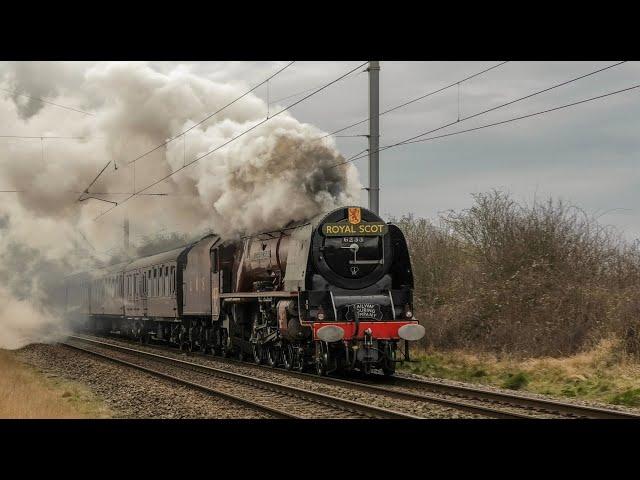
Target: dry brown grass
pixel 27 393
pixel 602 373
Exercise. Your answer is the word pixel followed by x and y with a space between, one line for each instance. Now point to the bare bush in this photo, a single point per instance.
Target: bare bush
pixel 545 279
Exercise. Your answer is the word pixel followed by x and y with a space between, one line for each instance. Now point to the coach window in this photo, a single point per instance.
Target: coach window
pixel 161 281
pixel 165 281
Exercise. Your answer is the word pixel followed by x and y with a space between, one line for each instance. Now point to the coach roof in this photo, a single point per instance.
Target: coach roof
pixel 158 258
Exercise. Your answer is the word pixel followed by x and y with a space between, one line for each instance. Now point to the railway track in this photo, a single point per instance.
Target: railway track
pixel 278 400
pixel 554 407
pixel 469 399
pixel 475 400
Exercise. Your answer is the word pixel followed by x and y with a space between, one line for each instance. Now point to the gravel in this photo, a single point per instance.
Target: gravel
pixel 274 399
pixel 130 393
pixel 421 409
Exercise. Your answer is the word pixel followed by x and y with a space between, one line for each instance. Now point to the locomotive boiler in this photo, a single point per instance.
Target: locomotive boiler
pixel 333 294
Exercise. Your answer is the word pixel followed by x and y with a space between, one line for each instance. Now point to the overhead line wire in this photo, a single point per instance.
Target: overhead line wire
pixel 212 114
pixel 572 104
pixel 234 138
pixel 417 99
pixel 46 101
pixel 408 140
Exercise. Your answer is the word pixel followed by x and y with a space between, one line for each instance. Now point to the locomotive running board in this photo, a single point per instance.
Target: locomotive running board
pixel 259 294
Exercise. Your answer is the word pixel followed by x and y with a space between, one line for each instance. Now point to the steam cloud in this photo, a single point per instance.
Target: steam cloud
pixel 277 173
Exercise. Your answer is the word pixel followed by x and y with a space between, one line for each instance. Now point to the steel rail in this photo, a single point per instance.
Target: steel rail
pixel 464 391
pixel 316 397
pixel 379 390
pixel 541 404
pixel 187 383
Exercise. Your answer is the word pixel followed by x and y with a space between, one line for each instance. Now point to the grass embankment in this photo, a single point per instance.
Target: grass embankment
pixel 28 393
pixel 602 374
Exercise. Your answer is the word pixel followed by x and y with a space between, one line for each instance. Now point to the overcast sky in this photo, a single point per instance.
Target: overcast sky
pixel 585 155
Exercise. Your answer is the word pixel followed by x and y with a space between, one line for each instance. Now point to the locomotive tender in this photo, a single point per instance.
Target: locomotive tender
pixel 334 292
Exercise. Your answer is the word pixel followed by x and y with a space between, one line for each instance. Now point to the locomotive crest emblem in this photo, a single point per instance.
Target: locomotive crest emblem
pixel 355 215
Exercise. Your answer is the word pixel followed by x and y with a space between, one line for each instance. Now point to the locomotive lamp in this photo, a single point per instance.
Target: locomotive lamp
pixel 411 332
pixel 330 333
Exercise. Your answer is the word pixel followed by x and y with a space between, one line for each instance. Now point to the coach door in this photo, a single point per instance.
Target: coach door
pixel 215 285
pixel 146 276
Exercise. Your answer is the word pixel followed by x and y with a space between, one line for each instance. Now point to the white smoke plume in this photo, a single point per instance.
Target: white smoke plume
pixel 277 173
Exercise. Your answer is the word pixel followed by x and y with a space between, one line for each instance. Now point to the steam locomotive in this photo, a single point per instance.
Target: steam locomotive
pixel 334 294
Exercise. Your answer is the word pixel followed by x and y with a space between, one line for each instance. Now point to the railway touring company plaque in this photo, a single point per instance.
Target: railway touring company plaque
pixel 365 310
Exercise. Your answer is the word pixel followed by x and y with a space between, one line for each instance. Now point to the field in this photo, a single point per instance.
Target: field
pixel 28 393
